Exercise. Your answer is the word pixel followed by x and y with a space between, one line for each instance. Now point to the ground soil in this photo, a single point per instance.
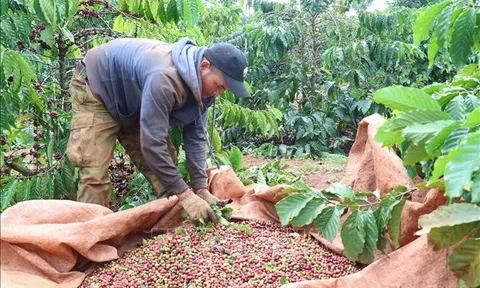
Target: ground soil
pixel 317 173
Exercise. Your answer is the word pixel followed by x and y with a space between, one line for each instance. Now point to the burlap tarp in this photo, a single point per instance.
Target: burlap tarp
pixel 46 243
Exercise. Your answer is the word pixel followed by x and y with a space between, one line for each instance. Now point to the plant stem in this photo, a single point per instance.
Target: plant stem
pixel 22 170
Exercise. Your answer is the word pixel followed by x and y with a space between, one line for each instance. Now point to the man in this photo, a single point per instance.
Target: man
pixel 133 90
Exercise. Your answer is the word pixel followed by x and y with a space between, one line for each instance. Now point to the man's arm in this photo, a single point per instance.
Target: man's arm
pixel 195 142
pixel 158 100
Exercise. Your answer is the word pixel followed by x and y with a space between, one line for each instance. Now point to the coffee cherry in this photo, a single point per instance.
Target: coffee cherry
pixel 57 156
pixel 223 257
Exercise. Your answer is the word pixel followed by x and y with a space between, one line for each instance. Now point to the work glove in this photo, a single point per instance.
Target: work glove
pixel 207 196
pixel 196 207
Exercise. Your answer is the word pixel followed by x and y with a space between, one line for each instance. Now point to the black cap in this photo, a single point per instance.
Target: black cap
pixel 234 65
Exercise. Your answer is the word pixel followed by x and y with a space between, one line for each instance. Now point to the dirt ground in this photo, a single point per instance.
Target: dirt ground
pixel 317 173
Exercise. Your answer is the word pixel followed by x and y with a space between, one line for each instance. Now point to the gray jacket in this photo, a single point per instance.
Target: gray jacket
pixel 148 86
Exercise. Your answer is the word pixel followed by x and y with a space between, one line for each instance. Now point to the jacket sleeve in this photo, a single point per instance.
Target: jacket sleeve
pixel 158 100
pixel 195 142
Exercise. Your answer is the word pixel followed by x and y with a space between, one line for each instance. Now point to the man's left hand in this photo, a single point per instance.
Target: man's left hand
pixel 207 196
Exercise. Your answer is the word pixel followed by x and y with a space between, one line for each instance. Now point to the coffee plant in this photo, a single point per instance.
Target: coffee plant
pixel 437 130
pixel 364 229
pixel 269 173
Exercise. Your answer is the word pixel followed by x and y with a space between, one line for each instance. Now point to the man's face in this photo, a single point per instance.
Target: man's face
pixel 213 82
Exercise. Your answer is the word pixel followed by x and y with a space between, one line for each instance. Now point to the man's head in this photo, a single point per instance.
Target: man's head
pixel 223 67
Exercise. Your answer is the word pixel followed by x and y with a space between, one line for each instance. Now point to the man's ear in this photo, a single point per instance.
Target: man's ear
pixel 205 64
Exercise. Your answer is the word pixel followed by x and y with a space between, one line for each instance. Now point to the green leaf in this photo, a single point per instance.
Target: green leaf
pixel 394 223
pixel 475 189
pixel 453 139
pixel 371 236
pixel 290 207
pixel 179 5
pixel 465 261
pixel 473 118
pixel 8 193
pixel 50 150
pixel 420 133
pixel 432 50
pixel 261 178
pixel 67 34
pixel 456 108
pixel 434 88
pixel 390 133
pixel 47 35
pixel 27 187
pixel 309 212
pixel 463 162
pixel 443 26
pixel 58 189
pixel 73 6
pixel 217 141
pixel 236 158
pixel 50 194
pixel 3 7
pixel 449 215
pixel 35 188
pixel 186 13
pixel 118 24
pixel 421 29
pixel 47 11
pixel 261 121
pixel 388 137
pixel 200 8
pixel 172 11
pixel 405 98
pixel 414 154
pixel 148 10
pixel 123 5
pixel 353 235
pixel 435 144
pixel 472 102
pixel 462 37
pixel 382 244
pixel 342 190
pixel 449 235
pixel 67 176
pixel 43 186
pixel 382 214
pixel 241 227
pixel 328 221
pixel 161 13
pixel 277 113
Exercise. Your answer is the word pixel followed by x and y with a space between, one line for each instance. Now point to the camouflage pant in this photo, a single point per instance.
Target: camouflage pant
pixel 92 141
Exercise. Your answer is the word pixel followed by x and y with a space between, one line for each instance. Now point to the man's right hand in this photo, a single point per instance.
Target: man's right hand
pixel 196 207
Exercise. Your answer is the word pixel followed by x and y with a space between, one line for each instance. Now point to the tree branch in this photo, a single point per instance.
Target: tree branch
pixel 22 170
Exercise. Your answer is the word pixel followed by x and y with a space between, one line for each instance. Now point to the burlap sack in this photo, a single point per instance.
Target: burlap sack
pixel 416 265
pixel 226 187
pixel 371 166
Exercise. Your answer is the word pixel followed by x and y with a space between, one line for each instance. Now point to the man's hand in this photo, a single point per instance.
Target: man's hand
pixel 196 207
pixel 207 196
